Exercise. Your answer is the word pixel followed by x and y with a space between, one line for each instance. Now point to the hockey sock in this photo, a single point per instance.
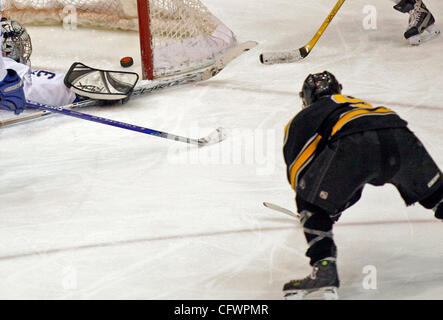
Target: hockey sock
pixel 317 227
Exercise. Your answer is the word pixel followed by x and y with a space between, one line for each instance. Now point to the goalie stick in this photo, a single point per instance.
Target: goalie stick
pixel 147 86
pixel 303 52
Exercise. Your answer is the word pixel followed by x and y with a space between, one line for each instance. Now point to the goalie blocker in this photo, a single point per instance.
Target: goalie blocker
pixel 103 85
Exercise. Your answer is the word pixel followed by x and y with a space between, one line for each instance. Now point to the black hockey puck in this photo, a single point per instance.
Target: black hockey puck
pixel 126 62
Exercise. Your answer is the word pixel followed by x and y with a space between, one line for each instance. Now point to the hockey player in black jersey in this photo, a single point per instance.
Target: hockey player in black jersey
pixel 421 21
pixel 333 148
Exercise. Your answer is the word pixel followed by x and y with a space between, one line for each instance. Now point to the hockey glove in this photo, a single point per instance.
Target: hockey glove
pixel 97 84
pixel 12 96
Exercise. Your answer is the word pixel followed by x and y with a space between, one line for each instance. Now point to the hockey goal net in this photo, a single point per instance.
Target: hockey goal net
pixel 176 36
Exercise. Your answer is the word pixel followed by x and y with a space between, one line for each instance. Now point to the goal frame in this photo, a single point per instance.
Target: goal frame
pixel 145 39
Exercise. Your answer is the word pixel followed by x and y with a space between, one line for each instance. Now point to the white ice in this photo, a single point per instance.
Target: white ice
pixel 89 211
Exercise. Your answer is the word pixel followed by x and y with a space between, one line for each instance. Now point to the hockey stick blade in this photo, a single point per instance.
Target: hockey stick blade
pixel 281 209
pixel 284 57
pixel 216 136
pixel 297 55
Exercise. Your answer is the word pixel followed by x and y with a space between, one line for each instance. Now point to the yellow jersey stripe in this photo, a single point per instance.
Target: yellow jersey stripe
pixel 339 98
pixel 356 113
pixel 302 158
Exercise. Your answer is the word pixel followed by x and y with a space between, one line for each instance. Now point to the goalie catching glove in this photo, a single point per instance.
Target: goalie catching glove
pixel 105 85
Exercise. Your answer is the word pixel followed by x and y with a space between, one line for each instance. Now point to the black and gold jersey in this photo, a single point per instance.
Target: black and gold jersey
pixel 328 119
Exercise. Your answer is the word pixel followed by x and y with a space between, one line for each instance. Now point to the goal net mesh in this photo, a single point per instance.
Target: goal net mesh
pixel 185 35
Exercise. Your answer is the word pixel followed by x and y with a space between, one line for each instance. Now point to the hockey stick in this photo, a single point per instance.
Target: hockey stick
pixel 143 87
pixel 216 136
pixel 301 53
pixel 146 86
pixel 281 209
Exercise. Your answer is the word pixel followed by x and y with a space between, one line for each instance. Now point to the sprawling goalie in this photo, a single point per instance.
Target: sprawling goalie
pixel 18 83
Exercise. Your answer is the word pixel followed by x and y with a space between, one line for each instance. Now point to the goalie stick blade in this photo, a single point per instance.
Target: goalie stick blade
pixel 229 55
pixel 216 136
pixel 23 118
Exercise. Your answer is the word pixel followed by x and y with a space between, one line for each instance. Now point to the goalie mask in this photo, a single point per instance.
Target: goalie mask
pixel 16 41
pixel 319 85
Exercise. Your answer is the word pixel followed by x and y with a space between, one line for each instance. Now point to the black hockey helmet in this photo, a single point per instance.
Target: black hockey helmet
pixel 16 41
pixel 318 85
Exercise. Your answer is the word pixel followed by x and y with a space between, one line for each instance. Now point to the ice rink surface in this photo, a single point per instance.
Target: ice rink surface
pixel 89 211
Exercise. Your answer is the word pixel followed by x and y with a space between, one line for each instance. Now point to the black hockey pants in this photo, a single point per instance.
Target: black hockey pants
pixel 337 176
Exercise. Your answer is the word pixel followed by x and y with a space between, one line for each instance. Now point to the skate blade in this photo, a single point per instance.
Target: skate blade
pixel 430 33
pixel 327 293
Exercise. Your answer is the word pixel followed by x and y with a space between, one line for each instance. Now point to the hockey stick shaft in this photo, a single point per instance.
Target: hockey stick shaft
pixel 303 52
pixel 145 87
pixel 72 113
pixel 308 47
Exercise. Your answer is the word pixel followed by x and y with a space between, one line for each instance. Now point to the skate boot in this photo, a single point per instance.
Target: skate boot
pixel 421 25
pixel 323 280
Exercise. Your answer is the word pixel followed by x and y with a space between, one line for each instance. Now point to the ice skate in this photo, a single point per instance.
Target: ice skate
pixel 422 26
pixel 322 281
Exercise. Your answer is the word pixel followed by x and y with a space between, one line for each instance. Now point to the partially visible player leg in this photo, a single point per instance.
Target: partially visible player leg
pixel 421 21
pixel 419 179
pixel 11 86
pixel 12 97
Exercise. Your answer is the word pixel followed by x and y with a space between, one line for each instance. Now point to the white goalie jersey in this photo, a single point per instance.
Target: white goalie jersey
pixel 42 86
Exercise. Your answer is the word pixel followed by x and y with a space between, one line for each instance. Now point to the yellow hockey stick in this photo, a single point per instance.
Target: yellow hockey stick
pixel 299 54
